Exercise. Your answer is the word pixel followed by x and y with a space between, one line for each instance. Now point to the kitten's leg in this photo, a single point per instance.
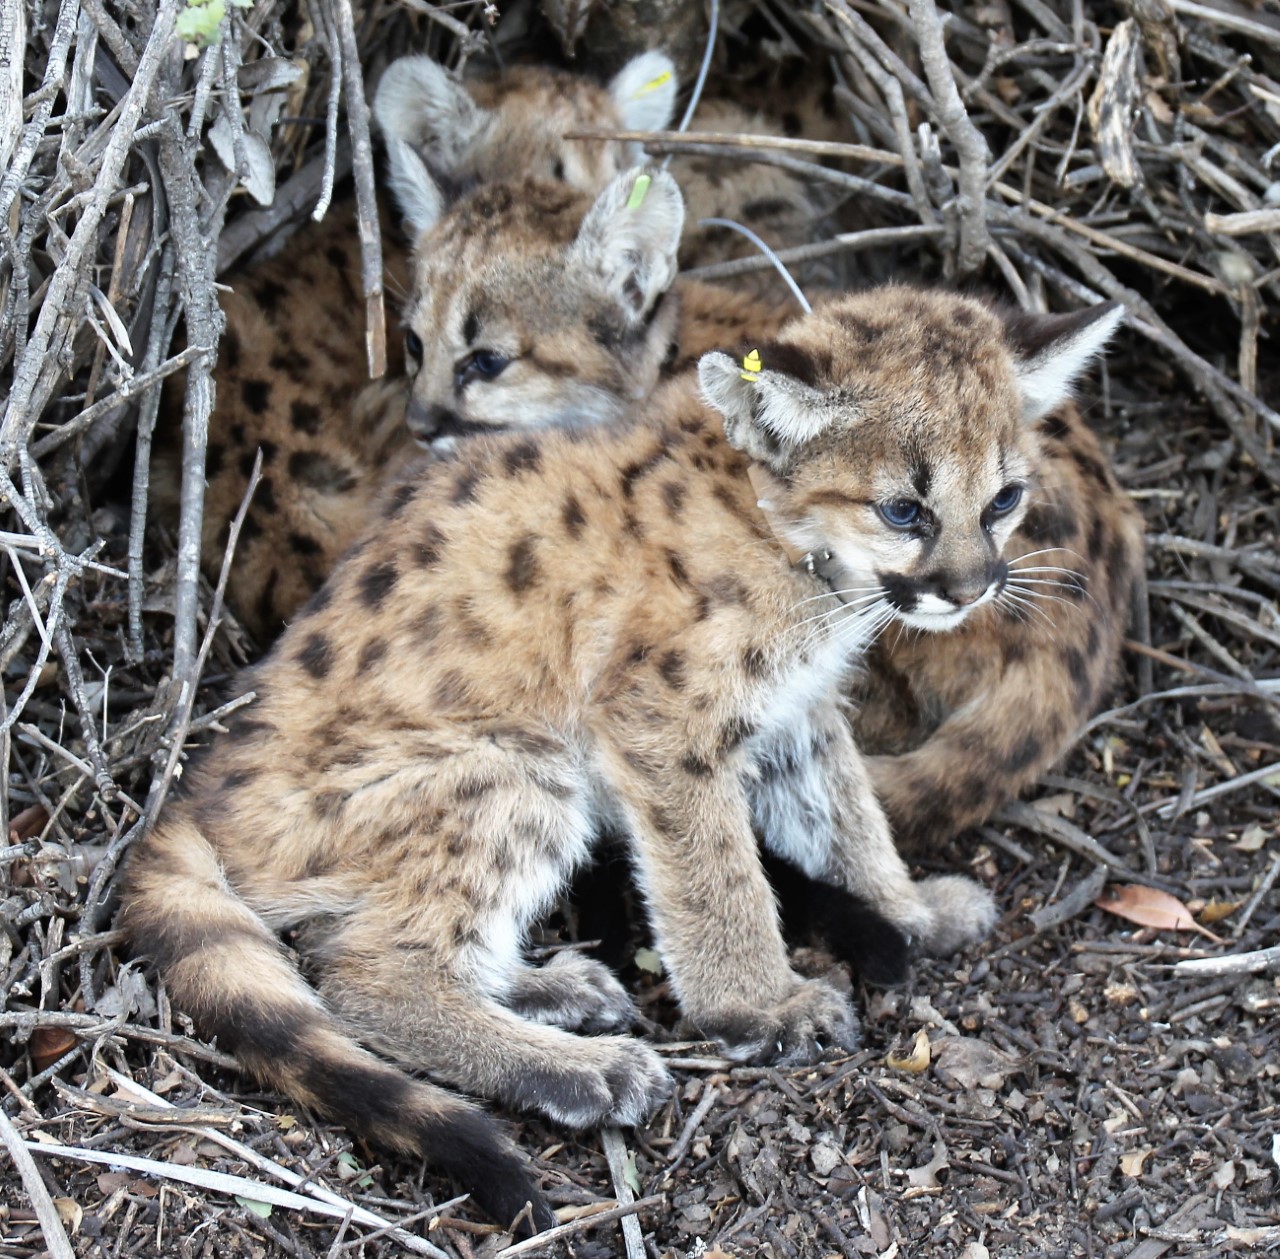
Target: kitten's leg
pixel 466 848
pixel 574 992
pixel 406 1007
pixel 817 808
pixel 713 911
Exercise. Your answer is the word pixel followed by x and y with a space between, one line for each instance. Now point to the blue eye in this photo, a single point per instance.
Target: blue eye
pixel 413 346
pixel 1006 500
pixel 483 365
pixel 901 513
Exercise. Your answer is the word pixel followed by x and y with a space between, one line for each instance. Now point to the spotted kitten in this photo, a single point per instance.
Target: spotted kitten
pixel 559 633
pixel 295 384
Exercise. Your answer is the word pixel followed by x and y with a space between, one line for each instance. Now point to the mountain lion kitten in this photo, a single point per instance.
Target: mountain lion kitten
pixel 297 387
pixel 563 632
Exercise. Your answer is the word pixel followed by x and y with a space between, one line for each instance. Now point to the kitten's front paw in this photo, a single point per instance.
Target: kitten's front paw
pixel 810 1023
pixel 963 913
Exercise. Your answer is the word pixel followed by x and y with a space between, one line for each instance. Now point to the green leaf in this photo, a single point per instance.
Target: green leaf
pixel 631 1175
pixel 260 1209
pixel 648 960
pixel 199 21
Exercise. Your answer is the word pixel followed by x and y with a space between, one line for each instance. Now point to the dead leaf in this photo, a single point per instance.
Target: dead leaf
pixel 1216 910
pixel 926 1177
pixel 914 1060
pixel 965 1062
pixel 1253 838
pixel 70 1213
pixel 1150 907
pixel 1131 1163
pixel 31 821
pixel 109 1182
pixel 48 1044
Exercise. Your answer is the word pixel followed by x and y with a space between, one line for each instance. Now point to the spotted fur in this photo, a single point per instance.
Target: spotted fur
pixel 999 630
pixel 556 634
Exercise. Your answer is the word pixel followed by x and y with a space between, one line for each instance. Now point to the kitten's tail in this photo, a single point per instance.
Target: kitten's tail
pixel 225 967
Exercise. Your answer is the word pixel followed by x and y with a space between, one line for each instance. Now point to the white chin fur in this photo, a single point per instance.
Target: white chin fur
pixel 937 615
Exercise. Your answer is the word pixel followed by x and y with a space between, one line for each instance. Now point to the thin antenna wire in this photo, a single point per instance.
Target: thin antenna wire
pixel 701 80
pixel 768 253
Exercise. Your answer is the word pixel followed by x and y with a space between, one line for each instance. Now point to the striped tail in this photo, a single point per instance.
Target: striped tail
pixel 225 968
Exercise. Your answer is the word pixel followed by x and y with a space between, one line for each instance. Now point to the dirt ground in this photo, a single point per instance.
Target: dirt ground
pixel 1070 1088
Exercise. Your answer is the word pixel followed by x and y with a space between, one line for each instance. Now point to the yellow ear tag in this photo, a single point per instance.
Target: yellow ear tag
pixel 638 191
pixel 752 365
pixel 654 84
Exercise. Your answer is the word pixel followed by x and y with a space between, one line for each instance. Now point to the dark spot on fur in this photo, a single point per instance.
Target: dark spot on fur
pixel 753 662
pixel 400 498
pixel 320 472
pixel 523 571
pixel 671 668
pixel 304 545
pixel 633 472
pixel 305 417
pixel 572 516
pixel 472 789
pixel 229 349
pixel 464 488
pixel 524 457
pixel 673 494
pixel 316 656
pixel 269 294
pixel 256 395
pixel 1078 671
pixel 1054 427
pixel 214 458
pixel 238 778
pixel 470 328
pixel 1091 468
pixel 372 653
pixel 734 734
pixel 696 766
pixel 1049 524
pixel 292 363
pixel 675 566
pixel 921 478
pixel 427 626
pixel 1026 754
pixel 1092 641
pixel 376 583
pixel 426 551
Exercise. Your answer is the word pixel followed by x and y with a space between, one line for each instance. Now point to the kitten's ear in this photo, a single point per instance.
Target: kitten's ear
pixel 419 102
pixel 644 91
pixel 630 237
pixel 420 201
pixel 1050 351
pixel 767 414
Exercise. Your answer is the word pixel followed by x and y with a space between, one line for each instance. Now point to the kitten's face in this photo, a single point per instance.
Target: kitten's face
pixel 899 426
pixel 534 306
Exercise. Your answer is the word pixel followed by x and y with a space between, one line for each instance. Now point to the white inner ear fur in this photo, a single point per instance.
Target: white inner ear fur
pixel 633 250
pixel 415 192
pixel 644 103
pixel 1045 381
pixel 776 404
pixel 417 101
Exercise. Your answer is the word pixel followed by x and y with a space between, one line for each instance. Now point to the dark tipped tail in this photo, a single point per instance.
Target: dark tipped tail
pixel 225 967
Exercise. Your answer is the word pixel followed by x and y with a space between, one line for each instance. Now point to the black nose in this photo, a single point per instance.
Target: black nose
pixel 425 422
pixel 962 589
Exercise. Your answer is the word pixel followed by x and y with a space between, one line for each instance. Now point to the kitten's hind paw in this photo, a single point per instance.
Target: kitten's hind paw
pixel 963 913
pixel 576 993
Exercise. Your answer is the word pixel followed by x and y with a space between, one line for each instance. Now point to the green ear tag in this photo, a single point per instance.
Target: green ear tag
pixel 653 84
pixel 638 191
